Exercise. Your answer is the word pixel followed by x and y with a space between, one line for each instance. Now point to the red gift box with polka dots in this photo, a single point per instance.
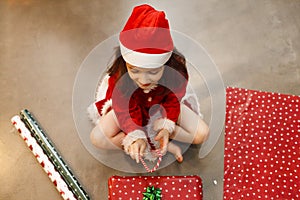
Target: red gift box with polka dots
pixel 262 151
pixel 133 187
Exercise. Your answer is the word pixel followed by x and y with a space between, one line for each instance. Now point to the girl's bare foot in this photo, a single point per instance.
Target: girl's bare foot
pixel 179 158
pixel 176 151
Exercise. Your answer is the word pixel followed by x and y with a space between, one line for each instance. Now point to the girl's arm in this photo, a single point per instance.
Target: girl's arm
pixel 171 105
pixel 129 119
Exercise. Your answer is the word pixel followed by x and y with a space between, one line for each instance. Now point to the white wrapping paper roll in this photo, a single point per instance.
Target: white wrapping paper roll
pixel 42 158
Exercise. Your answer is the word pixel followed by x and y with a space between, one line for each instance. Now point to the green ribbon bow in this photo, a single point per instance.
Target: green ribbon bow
pixel 152 193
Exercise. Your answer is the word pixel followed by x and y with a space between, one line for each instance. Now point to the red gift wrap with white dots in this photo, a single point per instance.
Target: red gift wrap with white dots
pixel 262 145
pixel 172 187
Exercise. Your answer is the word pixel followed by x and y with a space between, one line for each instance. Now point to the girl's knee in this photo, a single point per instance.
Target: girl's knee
pixel 97 137
pixel 94 137
pixel 201 134
pixel 105 131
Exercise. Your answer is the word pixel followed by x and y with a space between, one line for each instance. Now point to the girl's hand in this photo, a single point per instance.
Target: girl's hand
pixel 163 137
pixel 136 149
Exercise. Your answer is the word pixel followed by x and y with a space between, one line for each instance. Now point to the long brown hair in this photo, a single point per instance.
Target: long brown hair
pixel 176 62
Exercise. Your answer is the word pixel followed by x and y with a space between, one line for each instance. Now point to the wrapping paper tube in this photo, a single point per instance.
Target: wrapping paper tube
pixel 49 149
pixel 42 158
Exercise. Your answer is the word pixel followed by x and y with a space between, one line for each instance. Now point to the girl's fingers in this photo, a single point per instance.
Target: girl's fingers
pixel 137 149
pixel 163 137
pixel 137 158
pixel 142 149
pixel 166 141
pixel 134 151
pixel 159 136
pixel 135 155
pixel 164 144
pixel 131 151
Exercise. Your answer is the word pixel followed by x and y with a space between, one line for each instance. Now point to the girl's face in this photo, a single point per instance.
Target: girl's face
pixel 145 78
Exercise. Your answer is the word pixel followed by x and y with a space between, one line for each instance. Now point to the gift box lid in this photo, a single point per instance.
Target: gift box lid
pixel 133 187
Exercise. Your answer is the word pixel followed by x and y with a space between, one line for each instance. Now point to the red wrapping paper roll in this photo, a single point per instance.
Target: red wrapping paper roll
pixel 262 145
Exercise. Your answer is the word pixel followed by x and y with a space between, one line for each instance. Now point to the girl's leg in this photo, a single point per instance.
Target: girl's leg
pixel 176 151
pixel 107 134
pixel 190 127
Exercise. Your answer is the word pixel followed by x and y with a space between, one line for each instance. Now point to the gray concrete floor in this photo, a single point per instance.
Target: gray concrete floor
pixel 255 45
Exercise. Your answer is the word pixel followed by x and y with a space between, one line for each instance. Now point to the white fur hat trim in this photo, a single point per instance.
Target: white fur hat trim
pixel 144 60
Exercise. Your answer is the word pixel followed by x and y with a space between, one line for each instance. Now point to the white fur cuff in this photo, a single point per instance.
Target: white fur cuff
pixel 132 137
pixel 164 123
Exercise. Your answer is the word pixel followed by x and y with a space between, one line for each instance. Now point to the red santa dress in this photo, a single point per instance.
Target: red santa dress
pixel 136 109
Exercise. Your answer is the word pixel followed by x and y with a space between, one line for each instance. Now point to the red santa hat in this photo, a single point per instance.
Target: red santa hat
pixel 146 40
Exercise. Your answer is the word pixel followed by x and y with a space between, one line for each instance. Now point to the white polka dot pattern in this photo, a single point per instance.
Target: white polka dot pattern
pixel 262 151
pixel 132 187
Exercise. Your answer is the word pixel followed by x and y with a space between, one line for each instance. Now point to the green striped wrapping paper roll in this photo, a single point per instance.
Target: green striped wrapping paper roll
pixel 53 155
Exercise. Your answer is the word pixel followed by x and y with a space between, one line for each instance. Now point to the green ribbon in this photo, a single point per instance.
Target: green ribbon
pixel 152 193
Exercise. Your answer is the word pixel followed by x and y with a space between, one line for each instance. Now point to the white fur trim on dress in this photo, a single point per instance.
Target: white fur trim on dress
pixel 93 114
pixel 164 123
pixel 102 88
pixel 106 106
pixel 92 110
pixel 132 137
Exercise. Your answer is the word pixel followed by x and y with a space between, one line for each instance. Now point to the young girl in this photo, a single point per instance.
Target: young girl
pixel 145 104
